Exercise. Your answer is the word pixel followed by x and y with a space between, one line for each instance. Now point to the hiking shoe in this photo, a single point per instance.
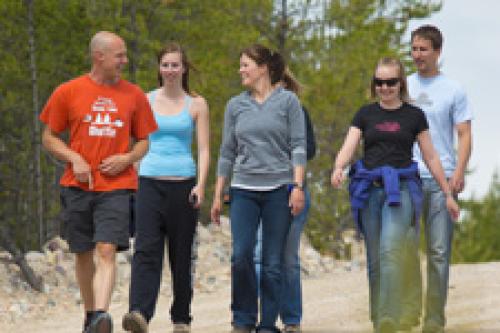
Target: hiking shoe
pixel 292 328
pixel 101 323
pixel 135 322
pixel 181 328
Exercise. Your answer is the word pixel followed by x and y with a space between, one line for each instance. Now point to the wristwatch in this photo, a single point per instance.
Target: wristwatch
pixel 298 185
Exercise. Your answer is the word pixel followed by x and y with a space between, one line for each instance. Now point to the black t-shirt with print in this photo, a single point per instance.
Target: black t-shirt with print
pixel 389 135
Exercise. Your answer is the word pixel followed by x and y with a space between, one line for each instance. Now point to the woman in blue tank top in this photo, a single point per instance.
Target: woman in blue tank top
pixel 169 195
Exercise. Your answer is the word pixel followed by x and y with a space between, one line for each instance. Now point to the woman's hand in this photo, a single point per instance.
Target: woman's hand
pixel 296 201
pixel 337 177
pixel 217 202
pixel 345 155
pixel 197 196
pixel 452 207
pixel 216 210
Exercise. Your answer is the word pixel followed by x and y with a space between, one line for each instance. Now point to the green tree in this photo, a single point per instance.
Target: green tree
pixel 335 58
pixel 331 46
pixel 477 234
pixel 213 34
pixel 48 40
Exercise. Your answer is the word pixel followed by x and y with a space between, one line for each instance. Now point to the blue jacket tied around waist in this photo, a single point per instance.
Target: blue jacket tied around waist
pixel 362 179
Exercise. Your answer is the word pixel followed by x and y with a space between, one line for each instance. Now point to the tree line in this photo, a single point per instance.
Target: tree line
pixel 330 45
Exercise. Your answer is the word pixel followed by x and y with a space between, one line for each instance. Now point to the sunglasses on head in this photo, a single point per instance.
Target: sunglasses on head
pixel 388 82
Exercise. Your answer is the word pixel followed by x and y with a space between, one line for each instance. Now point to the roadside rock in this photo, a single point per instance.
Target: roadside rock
pixel 212 272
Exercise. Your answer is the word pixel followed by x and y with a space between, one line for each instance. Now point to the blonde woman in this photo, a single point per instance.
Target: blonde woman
pixel 385 188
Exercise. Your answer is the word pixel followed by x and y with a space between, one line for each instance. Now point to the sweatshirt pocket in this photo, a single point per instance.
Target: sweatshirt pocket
pixel 261 157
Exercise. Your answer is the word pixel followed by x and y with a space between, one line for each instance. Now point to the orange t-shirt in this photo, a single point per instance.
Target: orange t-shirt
pixel 101 119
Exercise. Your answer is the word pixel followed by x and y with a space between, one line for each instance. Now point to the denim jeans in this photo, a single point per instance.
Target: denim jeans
pixel 411 302
pixel 438 227
pixel 249 209
pixel 291 295
pixel 385 230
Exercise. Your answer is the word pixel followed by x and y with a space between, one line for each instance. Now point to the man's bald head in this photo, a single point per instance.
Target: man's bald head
pixel 102 41
pixel 109 55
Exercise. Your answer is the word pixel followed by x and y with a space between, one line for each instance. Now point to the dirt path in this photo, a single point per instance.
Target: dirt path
pixel 334 303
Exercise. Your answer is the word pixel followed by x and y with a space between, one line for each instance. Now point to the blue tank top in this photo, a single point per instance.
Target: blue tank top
pixel 169 151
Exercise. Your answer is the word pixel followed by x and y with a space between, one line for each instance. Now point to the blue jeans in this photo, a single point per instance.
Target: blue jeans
pixel 411 302
pixel 291 295
pixel 249 209
pixel 385 229
pixel 438 227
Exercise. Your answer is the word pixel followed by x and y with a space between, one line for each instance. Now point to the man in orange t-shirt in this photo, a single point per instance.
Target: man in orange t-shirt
pixel 102 112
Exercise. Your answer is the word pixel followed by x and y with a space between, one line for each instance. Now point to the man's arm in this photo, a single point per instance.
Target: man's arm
pixel 56 146
pixel 464 135
pixel 114 164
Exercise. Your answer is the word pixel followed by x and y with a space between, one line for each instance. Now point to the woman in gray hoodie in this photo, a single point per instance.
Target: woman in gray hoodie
pixel 264 150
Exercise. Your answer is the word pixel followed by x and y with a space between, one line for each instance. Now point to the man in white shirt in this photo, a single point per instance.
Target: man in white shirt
pixel 447 109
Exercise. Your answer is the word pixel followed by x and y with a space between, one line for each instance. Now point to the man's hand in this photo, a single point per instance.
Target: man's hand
pixel 452 207
pixel 457 182
pixel 82 171
pixel 114 164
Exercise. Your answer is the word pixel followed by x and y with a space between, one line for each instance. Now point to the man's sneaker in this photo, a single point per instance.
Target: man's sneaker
pixel 181 328
pixel 292 328
pixel 101 323
pixel 135 322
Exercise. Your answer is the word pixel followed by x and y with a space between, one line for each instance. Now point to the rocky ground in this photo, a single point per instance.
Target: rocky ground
pixel 335 293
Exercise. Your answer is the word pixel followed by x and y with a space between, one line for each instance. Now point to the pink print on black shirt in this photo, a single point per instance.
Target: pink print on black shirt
pixel 388 126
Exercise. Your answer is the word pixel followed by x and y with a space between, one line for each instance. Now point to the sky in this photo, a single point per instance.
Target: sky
pixel 471 56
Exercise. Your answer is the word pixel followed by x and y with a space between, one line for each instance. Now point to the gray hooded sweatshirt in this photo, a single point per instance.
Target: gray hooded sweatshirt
pixel 262 142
